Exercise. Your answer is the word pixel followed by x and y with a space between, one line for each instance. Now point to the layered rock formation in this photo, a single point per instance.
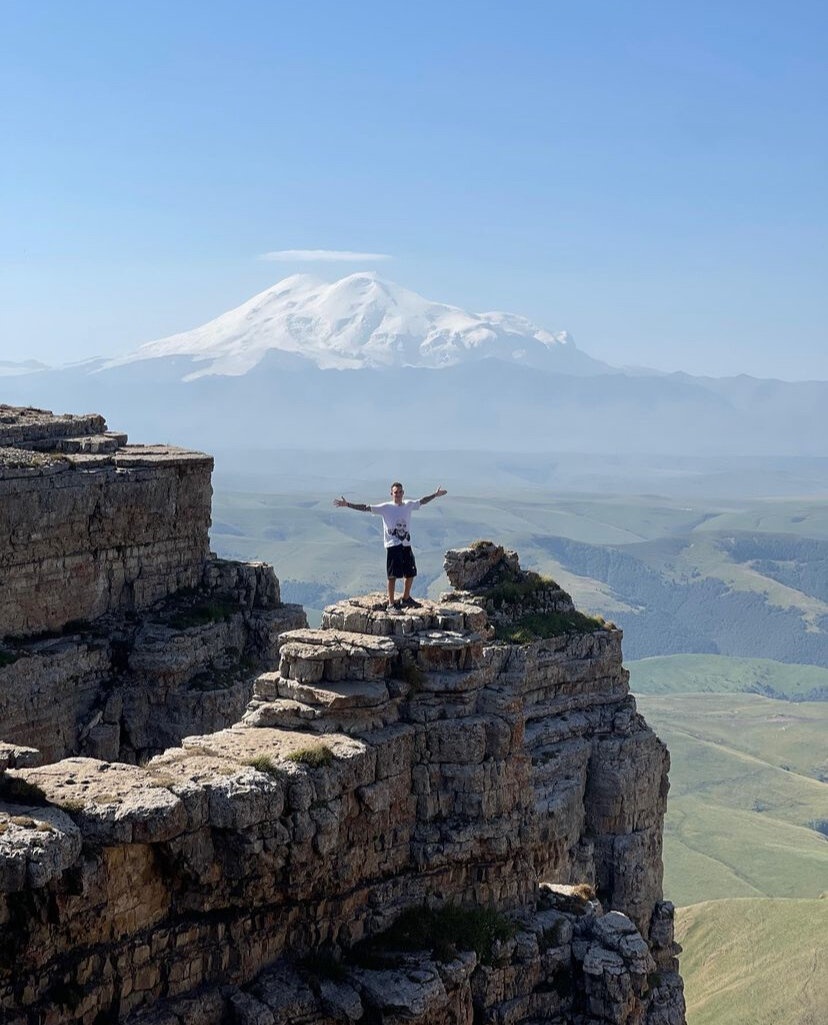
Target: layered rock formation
pixel 119 634
pixel 443 815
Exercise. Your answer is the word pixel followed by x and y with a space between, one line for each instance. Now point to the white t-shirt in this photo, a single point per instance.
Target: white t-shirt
pixel 396 522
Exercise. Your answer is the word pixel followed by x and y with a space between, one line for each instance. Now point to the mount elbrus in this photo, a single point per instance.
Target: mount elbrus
pixel 211 813
pixel 335 359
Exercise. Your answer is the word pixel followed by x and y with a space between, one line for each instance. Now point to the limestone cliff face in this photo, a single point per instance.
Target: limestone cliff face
pixel 479 756
pixel 122 634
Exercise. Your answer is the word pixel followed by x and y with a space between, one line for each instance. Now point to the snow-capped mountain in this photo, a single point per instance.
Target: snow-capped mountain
pixel 362 362
pixel 361 321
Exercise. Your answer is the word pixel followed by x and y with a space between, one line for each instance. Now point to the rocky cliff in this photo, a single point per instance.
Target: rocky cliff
pixel 446 815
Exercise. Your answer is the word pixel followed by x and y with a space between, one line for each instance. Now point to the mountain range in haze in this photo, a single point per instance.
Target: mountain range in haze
pixel 363 361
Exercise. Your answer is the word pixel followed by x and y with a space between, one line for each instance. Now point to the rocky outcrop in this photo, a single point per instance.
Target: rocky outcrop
pixel 120 633
pixel 445 815
pixel 90 525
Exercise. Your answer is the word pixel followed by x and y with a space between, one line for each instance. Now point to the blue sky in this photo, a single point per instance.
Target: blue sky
pixel 649 176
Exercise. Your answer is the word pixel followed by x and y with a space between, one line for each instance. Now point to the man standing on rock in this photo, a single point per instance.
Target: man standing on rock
pixel 396 536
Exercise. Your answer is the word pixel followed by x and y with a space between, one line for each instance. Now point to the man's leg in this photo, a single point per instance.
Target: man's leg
pixel 392 585
pixel 407 590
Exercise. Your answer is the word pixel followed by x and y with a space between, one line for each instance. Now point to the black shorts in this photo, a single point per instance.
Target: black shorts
pixel 399 560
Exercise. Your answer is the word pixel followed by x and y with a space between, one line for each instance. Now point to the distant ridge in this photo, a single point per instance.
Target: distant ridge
pixel 363 362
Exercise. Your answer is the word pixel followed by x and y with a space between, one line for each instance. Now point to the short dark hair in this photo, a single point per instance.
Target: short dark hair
pixel 396 484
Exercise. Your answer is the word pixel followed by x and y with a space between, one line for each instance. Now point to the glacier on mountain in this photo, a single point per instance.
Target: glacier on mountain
pixel 361 321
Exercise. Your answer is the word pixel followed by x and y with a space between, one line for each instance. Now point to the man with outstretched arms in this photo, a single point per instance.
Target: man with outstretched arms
pixel 396 536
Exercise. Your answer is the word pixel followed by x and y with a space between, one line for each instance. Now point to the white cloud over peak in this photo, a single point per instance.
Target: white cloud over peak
pixel 321 256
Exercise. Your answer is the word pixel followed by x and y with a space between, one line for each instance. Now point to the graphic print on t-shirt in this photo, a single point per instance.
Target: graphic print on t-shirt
pixel 396 522
pixel 400 532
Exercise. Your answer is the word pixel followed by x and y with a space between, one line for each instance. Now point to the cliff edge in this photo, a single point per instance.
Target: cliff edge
pixel 447 815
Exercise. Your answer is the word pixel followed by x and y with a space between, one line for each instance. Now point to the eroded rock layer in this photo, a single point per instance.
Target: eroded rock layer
pixel 90 525
pixel 119 633
pixel 473 767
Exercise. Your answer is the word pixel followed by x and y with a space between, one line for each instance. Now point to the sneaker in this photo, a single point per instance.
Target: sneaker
pixel 410 603
pixel 393 606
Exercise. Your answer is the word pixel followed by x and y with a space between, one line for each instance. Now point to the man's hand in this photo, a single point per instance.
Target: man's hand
pixel 437 494
pixel 342 502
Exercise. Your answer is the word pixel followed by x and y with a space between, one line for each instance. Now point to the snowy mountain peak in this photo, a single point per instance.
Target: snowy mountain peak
pixel 362 321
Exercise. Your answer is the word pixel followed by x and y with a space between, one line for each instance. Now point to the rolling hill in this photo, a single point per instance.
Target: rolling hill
pixel 650 563
pixel 755 962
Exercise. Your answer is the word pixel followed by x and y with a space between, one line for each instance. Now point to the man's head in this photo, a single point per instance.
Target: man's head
pixel 397 492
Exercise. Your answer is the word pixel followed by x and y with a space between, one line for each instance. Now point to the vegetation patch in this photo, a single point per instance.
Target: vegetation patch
pixel 202 614
pixel 265 764
pixel 22 820
pixel 315 756
pixel 70 804
pixel 445 932
pixel 542 625
pixel 162 781
pixel 584 890
pixel 512 591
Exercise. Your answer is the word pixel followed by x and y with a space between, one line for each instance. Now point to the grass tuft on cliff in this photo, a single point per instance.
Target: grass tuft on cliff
pixel 265 764
pixel 542 625
pixel 315 756
pixel 445 932
pixel 510 592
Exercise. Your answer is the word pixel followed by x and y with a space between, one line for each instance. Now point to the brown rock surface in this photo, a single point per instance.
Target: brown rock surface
pixel 386 762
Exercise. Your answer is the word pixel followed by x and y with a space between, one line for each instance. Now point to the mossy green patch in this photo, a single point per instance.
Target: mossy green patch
pixel 444 931
pixel 517 589
pixel 541 625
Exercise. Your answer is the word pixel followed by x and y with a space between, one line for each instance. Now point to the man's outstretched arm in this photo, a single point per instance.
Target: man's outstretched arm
pixel 437 494
pixel 342 503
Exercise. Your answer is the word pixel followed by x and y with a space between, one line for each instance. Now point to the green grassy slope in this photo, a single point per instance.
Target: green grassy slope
pixel 755 962
pixel 719 674
pixel 746 795
pixel 802 517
